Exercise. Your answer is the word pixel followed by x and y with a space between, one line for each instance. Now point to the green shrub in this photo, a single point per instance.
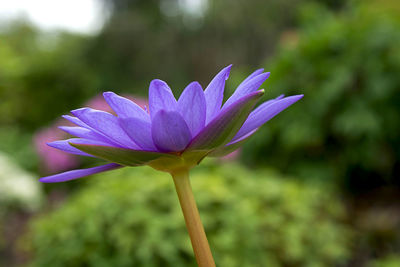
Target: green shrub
pixel 388 261
pixel 41 73
pixel 18 145
pixel 348 124
pixel 131 217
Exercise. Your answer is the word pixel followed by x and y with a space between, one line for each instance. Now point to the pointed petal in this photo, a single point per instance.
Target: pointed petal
pixel 84 133
pixel 66 147
pixel 139 131
pixel 251 76
pixel 106 124
pixel 160 97
pixel 84 141
pixel 268 102
pixel 264 113
pixel 77 131
pixel 221 130
pixel 192 107
pixel 75 121
pixel 100 136
pixel 170 131
pixel 124 107
pixel 248 87
pixel 122 156
pixel 214 93
pixel 75 174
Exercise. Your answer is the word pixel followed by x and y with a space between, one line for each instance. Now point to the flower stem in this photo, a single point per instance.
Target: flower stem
pixel 195 228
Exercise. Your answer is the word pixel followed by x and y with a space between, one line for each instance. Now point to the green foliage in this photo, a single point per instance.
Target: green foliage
pixel 131 217
pixel 145 39
pixel 348 124
pixel 388 261
pixel 18 145
pixel 41 75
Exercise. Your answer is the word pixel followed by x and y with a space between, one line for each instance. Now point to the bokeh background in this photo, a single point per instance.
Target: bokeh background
pixel 317 186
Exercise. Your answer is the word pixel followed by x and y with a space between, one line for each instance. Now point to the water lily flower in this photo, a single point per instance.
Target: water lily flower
pixel 171 135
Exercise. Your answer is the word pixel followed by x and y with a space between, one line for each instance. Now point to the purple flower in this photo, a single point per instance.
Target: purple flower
pixel 171 134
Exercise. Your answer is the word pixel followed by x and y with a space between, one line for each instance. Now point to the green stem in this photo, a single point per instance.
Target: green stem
pixel 195 228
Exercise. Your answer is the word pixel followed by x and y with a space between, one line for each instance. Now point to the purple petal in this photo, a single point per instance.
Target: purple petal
pixel 96 134
pixel 247 87
pixel 76 121
pixel 139 131
pixel 170 131
pixel 106 124
pixel 124 107
pixel 251 76
pixel 192 107
pixel 242 138
pixel 75 174
pixel 271 101
pixel 84 133
pixel 77 131
pixel 214 93
pixel 66 147
pixel 160 97
pixel 83 141
pixel 226 124
pixel 268 102
pixel 264 113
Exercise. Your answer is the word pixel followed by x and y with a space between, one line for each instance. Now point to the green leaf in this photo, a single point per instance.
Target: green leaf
pixel 126 157
pixel 186 160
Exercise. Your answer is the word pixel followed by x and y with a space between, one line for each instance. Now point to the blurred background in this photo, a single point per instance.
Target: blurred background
pixel 317 186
